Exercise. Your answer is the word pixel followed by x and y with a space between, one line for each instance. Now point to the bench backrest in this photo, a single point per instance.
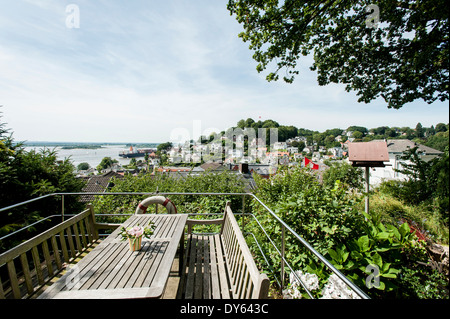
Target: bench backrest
pixel 246 280
pixel 33 263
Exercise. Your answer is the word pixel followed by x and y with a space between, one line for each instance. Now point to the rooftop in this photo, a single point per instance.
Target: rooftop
pixel 402 145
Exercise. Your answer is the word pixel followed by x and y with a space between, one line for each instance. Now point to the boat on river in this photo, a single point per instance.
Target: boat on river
pixel 133 152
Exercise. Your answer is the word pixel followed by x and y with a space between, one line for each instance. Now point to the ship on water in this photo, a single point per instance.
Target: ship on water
pixel 133 152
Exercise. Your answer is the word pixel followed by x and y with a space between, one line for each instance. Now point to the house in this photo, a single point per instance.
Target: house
pixel 316 156
pixel 212 166
pixel 98 184
pixel 298 156
pixel 336 151
pixel 280 146
pixel 396 149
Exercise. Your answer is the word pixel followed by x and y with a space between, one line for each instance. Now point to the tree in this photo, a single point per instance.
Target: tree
pixel 357 135
pixel 351 176
pixel 419 130
pixel 438 141
pixel 361 129
pixel 83 166
pixel 163 147
pixel 441 127
pixel 399 54
pixel 25 175
pixel 427 180
pixel 105 163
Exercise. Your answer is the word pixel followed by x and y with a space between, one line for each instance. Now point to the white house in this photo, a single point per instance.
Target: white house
pixel 280 146
pixel 395 151
pixel 336 151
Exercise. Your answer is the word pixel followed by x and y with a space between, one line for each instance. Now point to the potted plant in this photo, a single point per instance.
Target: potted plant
pixel 134 235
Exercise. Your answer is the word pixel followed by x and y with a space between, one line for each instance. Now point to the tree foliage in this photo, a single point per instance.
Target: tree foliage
pixel 105 163
pixel 401 54
pixel 25 175
pixel 208 182
pixel 345 173
pixel 428 182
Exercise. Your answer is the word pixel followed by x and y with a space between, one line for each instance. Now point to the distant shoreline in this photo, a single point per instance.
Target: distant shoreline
pixel 86 145
pixel 89 147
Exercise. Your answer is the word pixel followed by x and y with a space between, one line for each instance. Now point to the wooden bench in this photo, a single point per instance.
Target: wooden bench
pixel 220 266
pixel 31 265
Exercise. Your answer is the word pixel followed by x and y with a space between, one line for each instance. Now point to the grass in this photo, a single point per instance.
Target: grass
pixel 388 209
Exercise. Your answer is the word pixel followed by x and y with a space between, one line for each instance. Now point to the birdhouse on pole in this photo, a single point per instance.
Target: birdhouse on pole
pixel 368 154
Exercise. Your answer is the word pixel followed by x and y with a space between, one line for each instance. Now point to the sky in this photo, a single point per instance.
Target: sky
pixel 147 71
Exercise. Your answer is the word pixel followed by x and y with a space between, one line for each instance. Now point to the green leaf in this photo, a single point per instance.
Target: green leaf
pixel 345 256
pixel 394 231
pixel 389 275
pixel 377 260
pixel 382 249
pixel 363 243
pixel 383 236
pixel 349 265
pixel 356 255
pixel 404 230
pixel 327 230
pixel 394 271
pixel 333 254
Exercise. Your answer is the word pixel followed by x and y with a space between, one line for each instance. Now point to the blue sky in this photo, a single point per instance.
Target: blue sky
pixel 138 71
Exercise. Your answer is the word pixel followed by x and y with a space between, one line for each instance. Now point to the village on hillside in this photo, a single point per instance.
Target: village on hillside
pixel 244 156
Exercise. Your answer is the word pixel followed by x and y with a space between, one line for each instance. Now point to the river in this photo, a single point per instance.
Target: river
pixel 91 156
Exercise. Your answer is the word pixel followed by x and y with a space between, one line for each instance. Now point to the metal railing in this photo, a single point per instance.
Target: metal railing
pixel 281 251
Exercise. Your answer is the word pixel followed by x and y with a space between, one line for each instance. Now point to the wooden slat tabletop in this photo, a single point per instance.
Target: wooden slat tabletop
pixel 111 270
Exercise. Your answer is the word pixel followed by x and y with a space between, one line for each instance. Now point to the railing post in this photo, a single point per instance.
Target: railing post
pixel 243 212
pixel 62 207
pixel 283 229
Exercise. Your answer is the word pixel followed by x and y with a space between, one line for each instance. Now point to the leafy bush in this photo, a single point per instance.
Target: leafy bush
pixel 381 252
pixel 371 250
pixel 25 175
pixel 345 173
pixel 324 216
pixel 419 282
pixel 428 182
pixel 208 182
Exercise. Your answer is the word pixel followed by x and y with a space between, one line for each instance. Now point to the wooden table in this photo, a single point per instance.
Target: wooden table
pixel 112 271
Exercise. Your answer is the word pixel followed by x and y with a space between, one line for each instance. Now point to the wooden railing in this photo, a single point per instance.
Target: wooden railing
pixel 26 268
